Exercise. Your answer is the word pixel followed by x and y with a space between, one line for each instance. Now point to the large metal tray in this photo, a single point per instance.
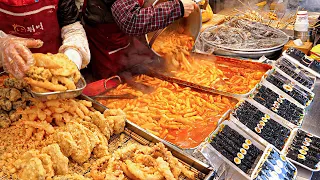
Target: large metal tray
pixel 287 146
pixel 245 50
pixel 168 76
pixel 191 151
pixel 255 135
pixel 272 53
pixel 141 136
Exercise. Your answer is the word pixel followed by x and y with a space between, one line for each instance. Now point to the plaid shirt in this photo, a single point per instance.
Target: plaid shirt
pixel 135 20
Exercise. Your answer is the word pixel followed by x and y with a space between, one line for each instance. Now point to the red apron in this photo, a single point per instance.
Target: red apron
pixel 32 19
pixel 110 48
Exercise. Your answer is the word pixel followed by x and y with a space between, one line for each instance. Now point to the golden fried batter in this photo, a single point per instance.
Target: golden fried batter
pixel 60 162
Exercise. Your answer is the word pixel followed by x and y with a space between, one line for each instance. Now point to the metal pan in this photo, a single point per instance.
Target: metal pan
pixel 167 76
pixel 143 137
pixel 61 95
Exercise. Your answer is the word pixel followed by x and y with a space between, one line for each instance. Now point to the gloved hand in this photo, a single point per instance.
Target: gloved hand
pixel 15 54
pixel 74 56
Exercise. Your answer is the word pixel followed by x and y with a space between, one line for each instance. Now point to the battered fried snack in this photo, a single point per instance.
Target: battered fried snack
pixel 179 115
pixel 13 96
pixel 52 72
pixel 140 162
pixel 35 165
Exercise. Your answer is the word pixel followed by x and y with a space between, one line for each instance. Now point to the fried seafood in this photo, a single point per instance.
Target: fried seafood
pixel 34 165
pixel 179 115
pixel 48 145
pixel 13 96
pixel 140 162
pixel 52 72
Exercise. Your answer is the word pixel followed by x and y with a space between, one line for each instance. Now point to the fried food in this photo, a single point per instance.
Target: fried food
pixel 140 162
pixel 179 115
pixel 60 162
pixel 52 72
pixel 35 164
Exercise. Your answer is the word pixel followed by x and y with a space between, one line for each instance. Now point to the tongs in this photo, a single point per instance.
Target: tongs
pixel 121 96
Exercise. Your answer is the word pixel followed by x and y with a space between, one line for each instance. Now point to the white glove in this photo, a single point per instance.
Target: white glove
pixel 74 56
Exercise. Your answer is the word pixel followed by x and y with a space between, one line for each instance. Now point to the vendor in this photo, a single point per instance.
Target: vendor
pixel 109 24
pixel 45 26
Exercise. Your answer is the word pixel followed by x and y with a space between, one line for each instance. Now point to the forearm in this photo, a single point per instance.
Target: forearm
pixel 74 37
pixel 135 20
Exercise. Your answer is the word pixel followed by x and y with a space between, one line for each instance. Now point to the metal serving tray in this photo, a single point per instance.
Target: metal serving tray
pixel 213 156
pixel 168 76
pixel 255 135
pixel 61 95
pixel 280 92
pixel 287 146
pixel 141 136
pixel 297 71
pixel 293 60
pixel 245 50
pixel 268 111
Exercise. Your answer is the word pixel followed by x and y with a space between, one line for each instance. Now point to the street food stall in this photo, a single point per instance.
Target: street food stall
pixel 232 95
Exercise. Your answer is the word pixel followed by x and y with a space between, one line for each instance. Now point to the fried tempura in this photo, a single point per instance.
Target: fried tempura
pixel 52 72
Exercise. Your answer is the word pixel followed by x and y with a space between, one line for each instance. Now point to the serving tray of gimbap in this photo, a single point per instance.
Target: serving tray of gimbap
pixel 295 73
pixel 289 87
pixel 265 128
pixel 302 60
pixel 303 149
pixel 278 103
pixel 234 147
pixel 274 165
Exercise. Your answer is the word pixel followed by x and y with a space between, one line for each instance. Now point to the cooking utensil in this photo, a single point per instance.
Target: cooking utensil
pixel 121 96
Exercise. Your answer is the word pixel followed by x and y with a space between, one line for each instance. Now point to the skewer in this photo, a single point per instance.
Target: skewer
pixel 280 20
pixel 244 4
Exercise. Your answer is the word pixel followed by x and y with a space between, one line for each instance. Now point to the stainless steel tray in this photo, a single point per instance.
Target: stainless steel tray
pixel 300 65
pixel 143 137
pixel 168 77
pixel 287 146
pixel 245 50
pixel 246 54
pixel 297 71
pixel 213 155
pixel 61 95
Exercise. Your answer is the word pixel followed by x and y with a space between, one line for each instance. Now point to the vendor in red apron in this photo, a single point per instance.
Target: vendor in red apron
pixel 110 23
pixel 40 26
